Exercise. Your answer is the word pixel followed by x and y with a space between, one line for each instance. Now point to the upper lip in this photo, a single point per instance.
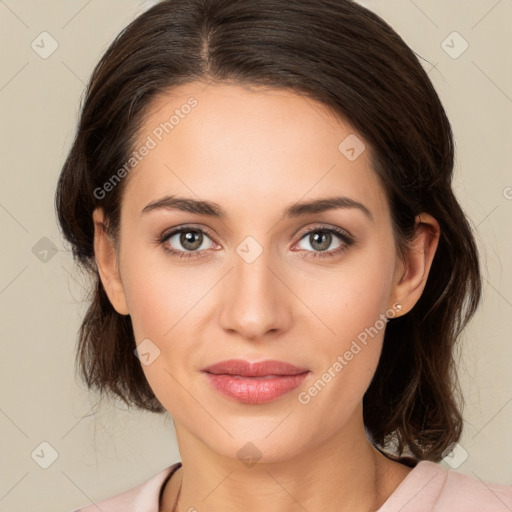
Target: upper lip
pixel 256 369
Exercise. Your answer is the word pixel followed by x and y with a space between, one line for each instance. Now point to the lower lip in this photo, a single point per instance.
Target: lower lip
pixel 255 390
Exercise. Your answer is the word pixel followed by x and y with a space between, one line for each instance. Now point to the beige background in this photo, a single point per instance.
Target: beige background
pixel 42 295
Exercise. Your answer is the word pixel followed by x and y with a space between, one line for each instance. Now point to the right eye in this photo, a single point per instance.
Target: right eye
pixel 189 238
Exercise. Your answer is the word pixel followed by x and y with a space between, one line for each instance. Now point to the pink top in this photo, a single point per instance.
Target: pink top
pixel 429 487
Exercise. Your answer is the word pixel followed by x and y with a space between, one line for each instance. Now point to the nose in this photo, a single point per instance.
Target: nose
pixel 255 301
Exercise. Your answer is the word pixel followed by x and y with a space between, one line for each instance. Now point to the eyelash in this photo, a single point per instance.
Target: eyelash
pixel 340 233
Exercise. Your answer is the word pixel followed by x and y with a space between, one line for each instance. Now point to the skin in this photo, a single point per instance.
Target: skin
pixel 254 152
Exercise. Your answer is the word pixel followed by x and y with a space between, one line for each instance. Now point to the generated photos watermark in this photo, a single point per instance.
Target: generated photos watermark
pixel 305 397
pixel 150 143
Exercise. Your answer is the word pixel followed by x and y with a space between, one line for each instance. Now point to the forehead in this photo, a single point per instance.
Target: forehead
pixel 247 147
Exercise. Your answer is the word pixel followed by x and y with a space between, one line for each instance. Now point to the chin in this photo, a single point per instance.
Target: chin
pixel 255 443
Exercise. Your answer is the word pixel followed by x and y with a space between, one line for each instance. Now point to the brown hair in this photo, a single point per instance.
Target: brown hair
pixel 348 58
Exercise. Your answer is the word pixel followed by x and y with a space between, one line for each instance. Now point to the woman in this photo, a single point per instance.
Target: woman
pixel 262 192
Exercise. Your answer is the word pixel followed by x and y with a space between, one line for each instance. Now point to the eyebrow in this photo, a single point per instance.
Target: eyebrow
pixel 295 210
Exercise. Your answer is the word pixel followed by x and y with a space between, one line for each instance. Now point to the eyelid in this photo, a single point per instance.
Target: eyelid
pixel 325 227
pixel 179 229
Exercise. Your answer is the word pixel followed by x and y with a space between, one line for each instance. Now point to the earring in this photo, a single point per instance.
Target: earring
pixel 398 306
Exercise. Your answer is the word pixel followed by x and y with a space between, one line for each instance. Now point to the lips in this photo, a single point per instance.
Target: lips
pixel 254 383
pixel 244 368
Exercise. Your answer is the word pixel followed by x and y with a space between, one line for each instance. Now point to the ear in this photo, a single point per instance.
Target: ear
pixel 106 261
pixel 411 276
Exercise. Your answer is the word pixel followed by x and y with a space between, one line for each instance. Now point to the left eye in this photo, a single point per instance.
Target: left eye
pixel 321 239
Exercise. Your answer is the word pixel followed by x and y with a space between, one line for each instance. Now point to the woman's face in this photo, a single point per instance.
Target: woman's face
pixel 266 279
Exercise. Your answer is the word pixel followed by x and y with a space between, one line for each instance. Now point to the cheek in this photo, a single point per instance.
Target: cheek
pixel 352 306
pixel 164 304
pixel 349 299
pixel 347 365
pixel 158 293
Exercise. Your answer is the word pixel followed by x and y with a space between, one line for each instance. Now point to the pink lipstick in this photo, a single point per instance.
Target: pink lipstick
pixel 255 383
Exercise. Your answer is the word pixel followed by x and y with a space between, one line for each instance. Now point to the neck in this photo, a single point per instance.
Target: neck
pixel 343 473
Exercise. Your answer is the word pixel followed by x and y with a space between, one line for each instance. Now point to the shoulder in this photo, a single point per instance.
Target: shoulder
pixel 430 487
pixel 143 498
pixel 463 492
